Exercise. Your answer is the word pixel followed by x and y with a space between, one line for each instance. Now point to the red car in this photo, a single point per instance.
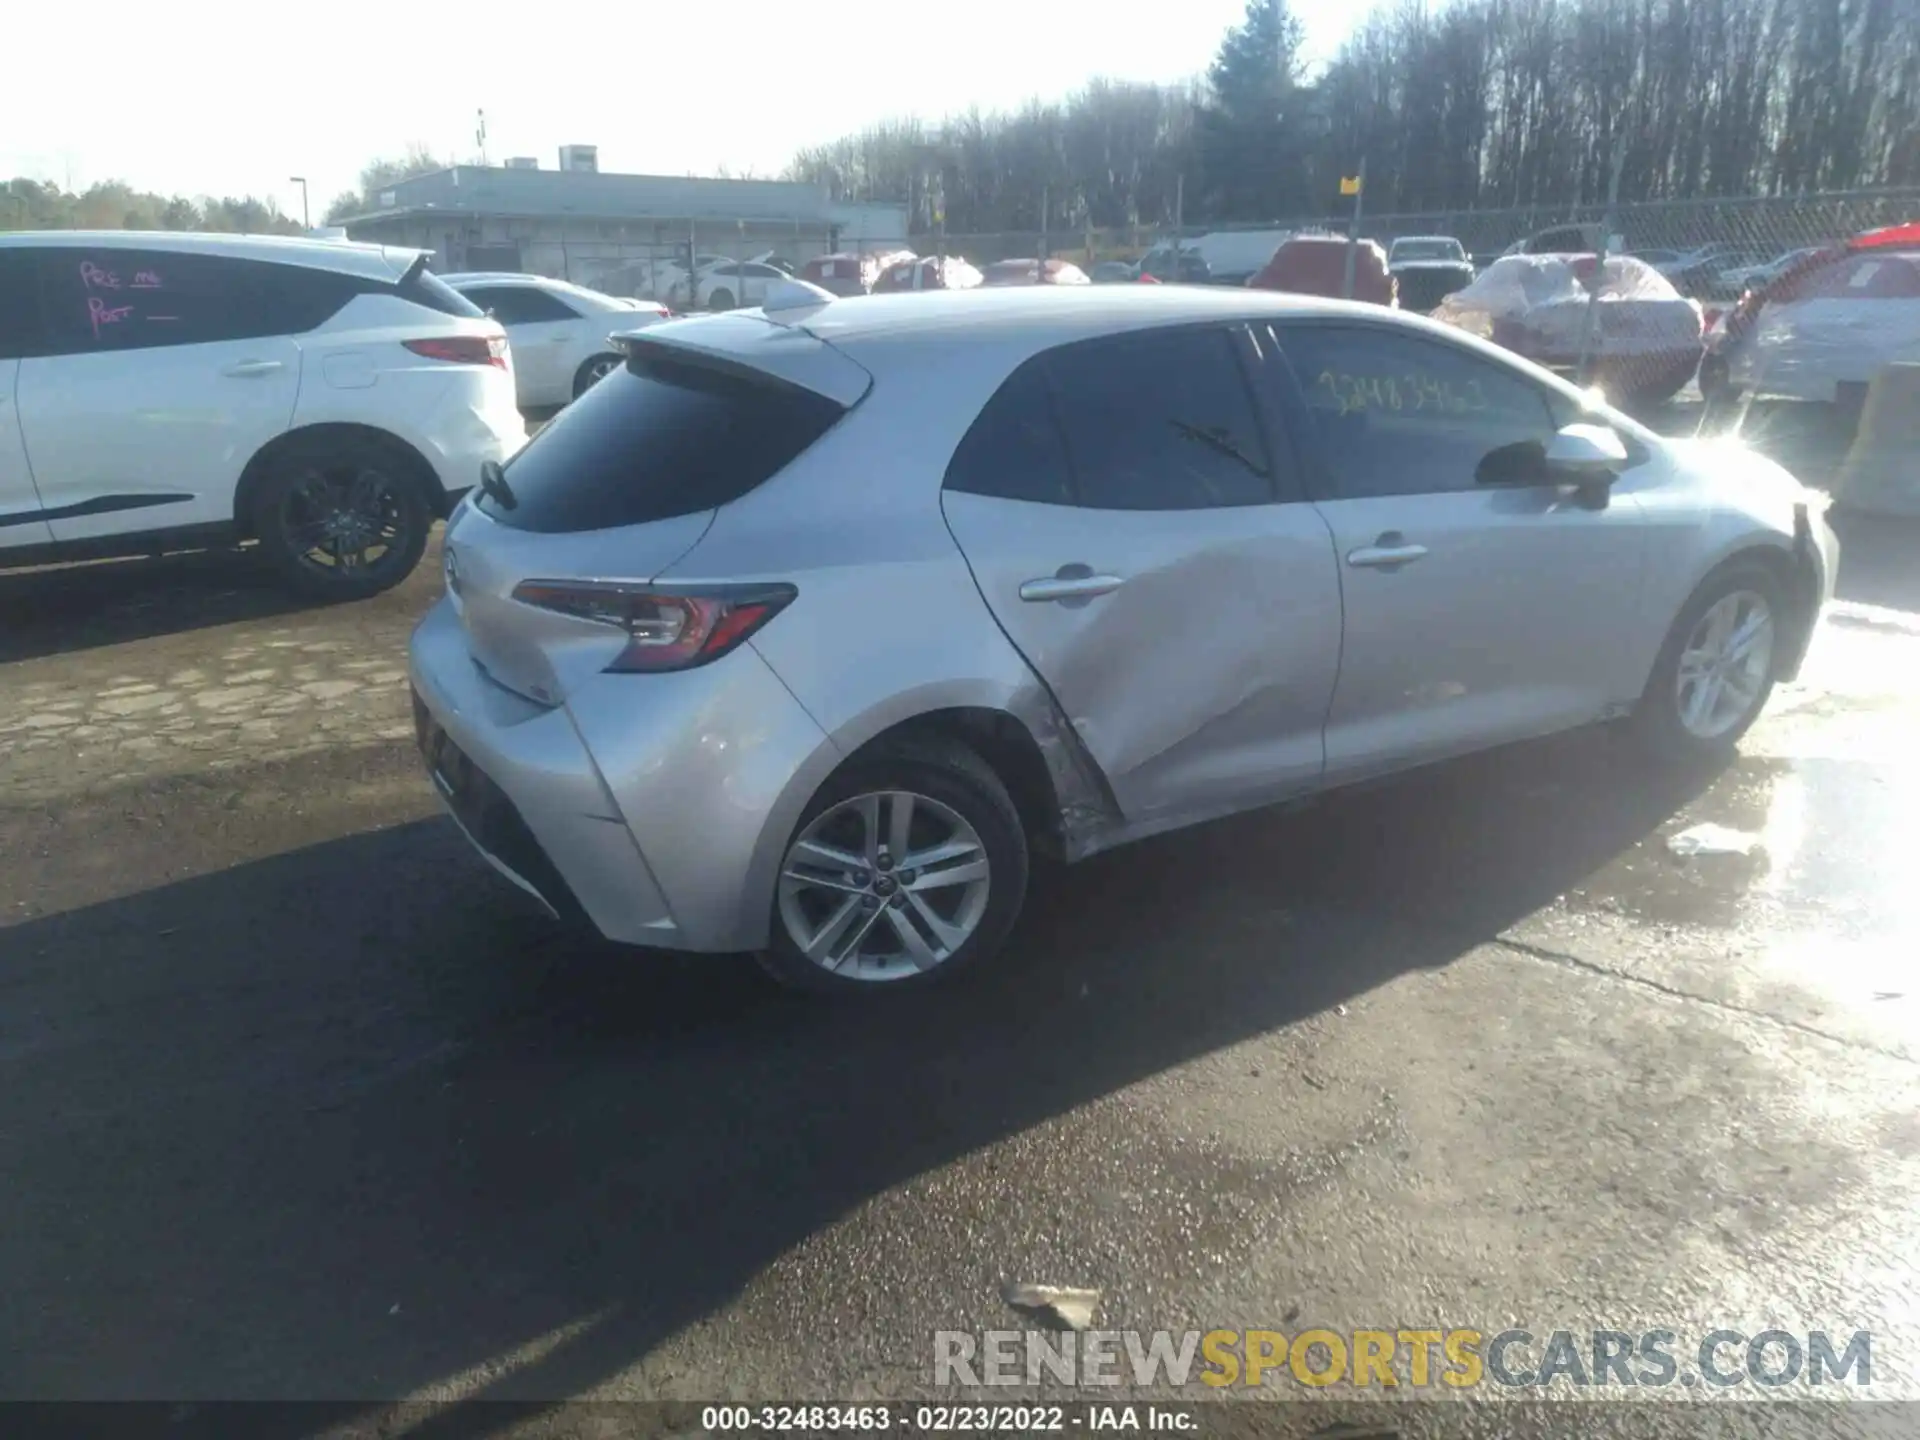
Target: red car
pixel 1317 265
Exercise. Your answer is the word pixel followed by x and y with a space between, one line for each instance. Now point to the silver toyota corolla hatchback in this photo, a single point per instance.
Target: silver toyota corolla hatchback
pixel 801 631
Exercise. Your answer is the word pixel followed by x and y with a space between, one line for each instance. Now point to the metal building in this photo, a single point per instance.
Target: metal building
pixel 622 233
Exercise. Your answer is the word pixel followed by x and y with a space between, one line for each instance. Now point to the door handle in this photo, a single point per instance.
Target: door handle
pixel 1073 582
pixel 1389 552
pixel 560 340
pixel 247 369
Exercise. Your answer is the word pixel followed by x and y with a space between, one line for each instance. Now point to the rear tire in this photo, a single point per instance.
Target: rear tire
pixel 341 519
pixel 877 922
pixel 721 299
pixel 1699 718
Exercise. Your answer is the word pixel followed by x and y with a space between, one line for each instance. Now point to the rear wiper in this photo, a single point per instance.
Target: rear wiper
pixel 1214 440
pixel 493 484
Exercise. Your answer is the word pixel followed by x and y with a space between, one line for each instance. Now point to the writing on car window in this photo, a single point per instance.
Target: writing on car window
pixel 1406 391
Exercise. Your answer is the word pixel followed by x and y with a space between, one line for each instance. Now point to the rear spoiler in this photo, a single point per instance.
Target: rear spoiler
pixel 749 348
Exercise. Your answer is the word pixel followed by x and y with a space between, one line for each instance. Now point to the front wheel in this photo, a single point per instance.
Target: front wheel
pixel 906 868
pixel 1716 671
pixel 721 299
pixel 341 520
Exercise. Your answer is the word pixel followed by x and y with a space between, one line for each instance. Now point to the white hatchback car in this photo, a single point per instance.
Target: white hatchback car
pixel 558 331
pixel 170 391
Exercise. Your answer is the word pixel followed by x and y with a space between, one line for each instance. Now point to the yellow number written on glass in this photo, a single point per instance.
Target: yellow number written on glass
pixel 1351 394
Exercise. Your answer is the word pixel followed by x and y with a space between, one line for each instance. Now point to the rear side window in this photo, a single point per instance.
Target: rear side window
pixel 1014 450
pixel 656 439
pixel 520 304
pixel 1160 420
pixel 19 305
pixel 124 299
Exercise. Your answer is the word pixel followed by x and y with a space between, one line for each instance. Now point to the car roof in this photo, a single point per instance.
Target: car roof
pixel 1426 239
pixel 346 257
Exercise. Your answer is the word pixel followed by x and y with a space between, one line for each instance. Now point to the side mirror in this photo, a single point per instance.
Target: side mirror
pixel 1581 453
pixel 1590 457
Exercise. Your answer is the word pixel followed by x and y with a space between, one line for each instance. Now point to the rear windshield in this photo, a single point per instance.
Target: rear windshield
pixel 656 439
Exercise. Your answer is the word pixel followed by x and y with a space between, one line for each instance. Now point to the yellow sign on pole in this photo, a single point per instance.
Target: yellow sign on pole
pixel 1349 184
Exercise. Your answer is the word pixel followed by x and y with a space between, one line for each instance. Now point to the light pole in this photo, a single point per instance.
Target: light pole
pixel 306 217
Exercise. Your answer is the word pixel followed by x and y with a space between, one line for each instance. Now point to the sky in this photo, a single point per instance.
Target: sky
pixel 201 97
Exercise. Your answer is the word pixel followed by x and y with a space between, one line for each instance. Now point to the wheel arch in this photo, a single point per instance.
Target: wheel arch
pixel 1793 569
pixel 1062 798
pixel 415 465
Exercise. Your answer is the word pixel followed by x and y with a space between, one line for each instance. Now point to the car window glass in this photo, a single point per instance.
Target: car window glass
pixel 654 439
pixel 125 299
pixel 1014 450
pixel 1160 420
pixel 520 304
pixel 19 305
pixel 1402 415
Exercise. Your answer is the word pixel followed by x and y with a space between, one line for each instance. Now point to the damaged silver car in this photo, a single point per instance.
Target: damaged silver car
pixel 804 628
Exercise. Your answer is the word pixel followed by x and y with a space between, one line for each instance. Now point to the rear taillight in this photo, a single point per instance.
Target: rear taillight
pixel 666 630
pixel 463 349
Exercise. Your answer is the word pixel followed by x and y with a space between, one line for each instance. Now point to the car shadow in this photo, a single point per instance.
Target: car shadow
pixel 347 1121
pixel 65 609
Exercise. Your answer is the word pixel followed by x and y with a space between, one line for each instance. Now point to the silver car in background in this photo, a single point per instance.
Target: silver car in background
pixel 800 631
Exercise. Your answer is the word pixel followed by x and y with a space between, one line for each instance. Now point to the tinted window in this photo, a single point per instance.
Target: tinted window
pixel 1160 420
pixel 520 304
pixel 115 299
pixel 1399 415
pixel 1014 450
pixel 19 305
pixel 655 439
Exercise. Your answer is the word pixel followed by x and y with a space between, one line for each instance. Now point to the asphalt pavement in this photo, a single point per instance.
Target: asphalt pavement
pixel 297 1100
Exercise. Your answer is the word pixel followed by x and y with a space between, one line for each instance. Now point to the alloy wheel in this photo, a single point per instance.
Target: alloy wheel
pixel 344 520
pixel 884 885
pixel 1725 664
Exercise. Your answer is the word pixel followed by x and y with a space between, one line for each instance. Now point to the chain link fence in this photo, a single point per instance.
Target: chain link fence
pixel 1719 236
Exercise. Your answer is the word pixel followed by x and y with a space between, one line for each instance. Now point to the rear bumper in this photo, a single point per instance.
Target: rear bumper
pixel 538 811
pixel 657 804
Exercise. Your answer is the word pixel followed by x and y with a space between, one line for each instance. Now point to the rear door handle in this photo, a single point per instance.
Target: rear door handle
pixel 1074 582
pixel 247 369
pixel 1389 552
